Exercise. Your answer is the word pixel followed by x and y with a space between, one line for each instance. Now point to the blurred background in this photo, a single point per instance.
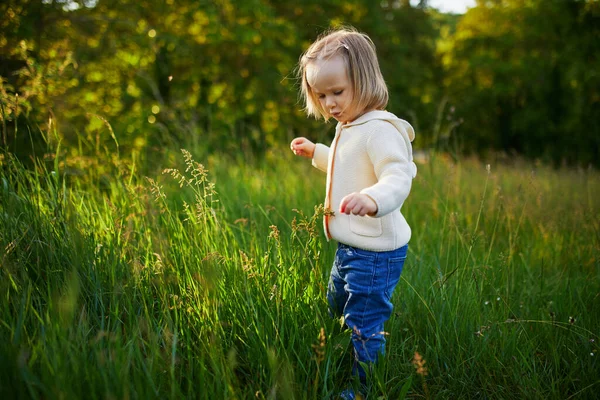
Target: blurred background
pixel 508 78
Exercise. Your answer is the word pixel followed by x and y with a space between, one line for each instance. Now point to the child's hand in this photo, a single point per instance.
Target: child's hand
pixel 358 204
pixel 303 147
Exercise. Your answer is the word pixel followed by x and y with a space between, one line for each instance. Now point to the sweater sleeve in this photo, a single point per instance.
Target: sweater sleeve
pixel 389 155
pixel 321 157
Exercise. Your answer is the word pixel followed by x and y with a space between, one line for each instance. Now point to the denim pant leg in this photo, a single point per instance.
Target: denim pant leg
pixel 336 294
pixel 370 279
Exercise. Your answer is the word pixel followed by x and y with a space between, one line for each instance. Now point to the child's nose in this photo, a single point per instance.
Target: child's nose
pixel 330 102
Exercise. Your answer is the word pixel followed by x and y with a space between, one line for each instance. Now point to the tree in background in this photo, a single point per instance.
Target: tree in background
pixel 209 74
pixel 523 76
pixel 36 62
pixel 143 76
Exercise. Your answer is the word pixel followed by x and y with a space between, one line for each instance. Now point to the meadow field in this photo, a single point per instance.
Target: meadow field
pixel 208 281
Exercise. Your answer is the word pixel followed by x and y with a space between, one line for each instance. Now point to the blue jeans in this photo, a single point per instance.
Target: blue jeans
pixel 360 288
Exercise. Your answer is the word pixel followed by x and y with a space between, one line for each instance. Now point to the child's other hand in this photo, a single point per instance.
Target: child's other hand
pixel 303 147
pixel 358 204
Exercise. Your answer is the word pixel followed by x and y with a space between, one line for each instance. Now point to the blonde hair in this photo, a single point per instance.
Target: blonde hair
pixel 358 52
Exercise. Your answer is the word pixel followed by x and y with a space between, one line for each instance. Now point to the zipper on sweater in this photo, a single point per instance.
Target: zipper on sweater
pixel 328 206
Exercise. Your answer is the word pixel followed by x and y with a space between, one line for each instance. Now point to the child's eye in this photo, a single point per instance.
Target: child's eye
pixel 338 92
pixel 321 96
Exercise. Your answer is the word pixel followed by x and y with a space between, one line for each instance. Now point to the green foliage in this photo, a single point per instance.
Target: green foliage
pixel 522 77
pixel 209 281
pixel 218 75
pixel 207 75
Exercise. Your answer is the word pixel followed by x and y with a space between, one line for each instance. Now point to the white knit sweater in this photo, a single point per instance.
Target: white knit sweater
pixel 371 155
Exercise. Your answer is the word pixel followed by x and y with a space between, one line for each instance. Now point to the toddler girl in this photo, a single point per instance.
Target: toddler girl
pixel 369 168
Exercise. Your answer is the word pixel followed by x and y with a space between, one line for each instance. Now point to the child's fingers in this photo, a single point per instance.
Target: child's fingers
pixel 344 204
pixel 357 204
pixel 297 146
pixel 302 147
pixel 298 141
pixel 347 204
pixel 357 209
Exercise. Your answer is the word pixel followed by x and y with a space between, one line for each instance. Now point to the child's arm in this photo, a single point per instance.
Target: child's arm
pixel 389 154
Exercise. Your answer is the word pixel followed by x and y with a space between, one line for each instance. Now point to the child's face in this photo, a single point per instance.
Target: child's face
pixel 331 84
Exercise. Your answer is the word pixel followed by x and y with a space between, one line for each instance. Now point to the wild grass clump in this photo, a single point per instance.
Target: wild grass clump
pixel 208 281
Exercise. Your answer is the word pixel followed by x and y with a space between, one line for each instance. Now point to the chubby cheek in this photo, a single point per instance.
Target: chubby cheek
pixel 347 103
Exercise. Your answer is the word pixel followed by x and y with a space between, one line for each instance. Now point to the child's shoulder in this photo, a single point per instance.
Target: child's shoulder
pixel 374 126
pixel 378 128
pixel 383 135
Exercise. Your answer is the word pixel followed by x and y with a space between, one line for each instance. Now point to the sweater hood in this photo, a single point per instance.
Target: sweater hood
pixel 401 125
pixel 404 128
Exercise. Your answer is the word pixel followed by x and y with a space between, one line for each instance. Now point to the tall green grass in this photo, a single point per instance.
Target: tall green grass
pixel 209 280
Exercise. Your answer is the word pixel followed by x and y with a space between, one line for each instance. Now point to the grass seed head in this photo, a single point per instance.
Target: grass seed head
pixel 274 232
pixel 319 348
pixel 419 363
